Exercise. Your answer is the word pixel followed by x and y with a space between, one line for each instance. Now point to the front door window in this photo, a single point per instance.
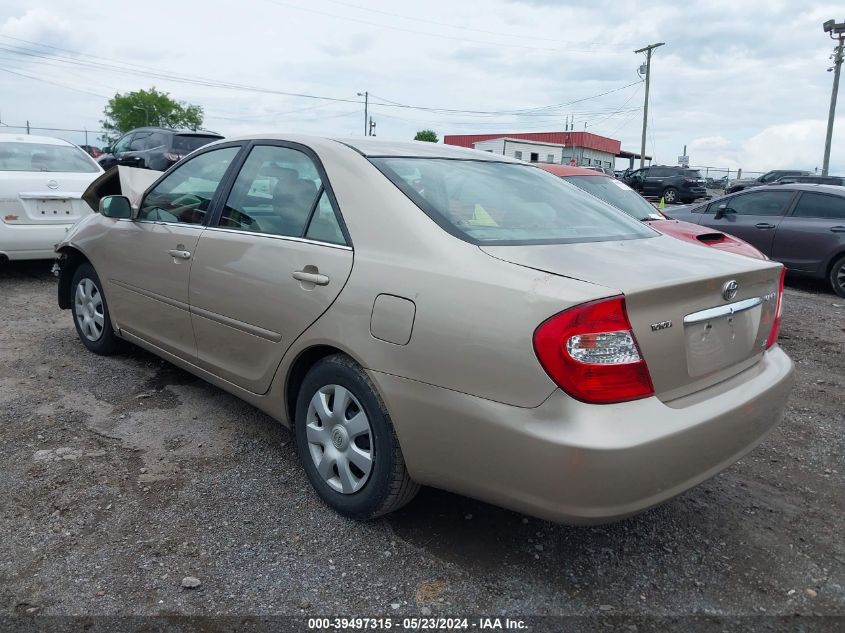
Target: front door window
pixel 185 195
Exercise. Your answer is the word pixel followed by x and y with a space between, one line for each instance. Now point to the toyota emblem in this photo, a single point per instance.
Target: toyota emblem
pixel 729 289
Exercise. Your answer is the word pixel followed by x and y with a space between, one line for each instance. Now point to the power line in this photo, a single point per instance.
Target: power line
pixel 49 58
pixel 47 81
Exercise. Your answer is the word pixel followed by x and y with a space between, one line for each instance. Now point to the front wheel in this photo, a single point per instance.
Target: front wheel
pixel 347 444
pixel 837 276
pixel 91 312
pixel 670 195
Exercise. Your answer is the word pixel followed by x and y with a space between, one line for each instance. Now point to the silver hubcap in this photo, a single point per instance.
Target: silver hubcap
pixel 340 439
pixel 669 196
pixel 840 277
pixel 88 306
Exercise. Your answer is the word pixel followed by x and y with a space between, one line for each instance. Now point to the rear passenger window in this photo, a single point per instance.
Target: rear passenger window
pixel 761 203
pixel 276 192
pixel 817 205
pixel 324 226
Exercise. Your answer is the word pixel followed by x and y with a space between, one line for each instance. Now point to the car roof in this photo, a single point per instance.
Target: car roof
pixel 801 186
pixel 168 130
pixel 566 170
pixel 419 149
pixel 371 148
pixel 30 138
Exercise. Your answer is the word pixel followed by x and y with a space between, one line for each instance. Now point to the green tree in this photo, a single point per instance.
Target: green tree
pixel 426 135
pixel 127 111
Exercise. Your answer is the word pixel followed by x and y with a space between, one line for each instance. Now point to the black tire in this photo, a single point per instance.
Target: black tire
pixel 107 343
pixel 837 276
pixel 388 486
pixel 671 195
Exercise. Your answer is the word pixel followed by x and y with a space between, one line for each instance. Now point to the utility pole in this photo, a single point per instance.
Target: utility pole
pixel 27 127
pixel 836 31
pixel 647 50
pixel 366 96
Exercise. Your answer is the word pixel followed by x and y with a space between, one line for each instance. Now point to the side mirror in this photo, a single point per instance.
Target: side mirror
pixel 722 211
pixel 117 207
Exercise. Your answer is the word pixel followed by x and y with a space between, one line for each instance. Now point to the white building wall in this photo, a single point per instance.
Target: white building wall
pixel 522 150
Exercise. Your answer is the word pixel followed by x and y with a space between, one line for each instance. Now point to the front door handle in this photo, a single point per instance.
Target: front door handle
pixel 764 225
pixel 309 277
pixel 179 254
pixel 838 229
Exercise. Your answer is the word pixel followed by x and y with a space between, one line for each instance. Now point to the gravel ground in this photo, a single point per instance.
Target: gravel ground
pixel 122 476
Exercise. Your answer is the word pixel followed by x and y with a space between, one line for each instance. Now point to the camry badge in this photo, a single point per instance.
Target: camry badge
pixel 663 325
pixel 729 289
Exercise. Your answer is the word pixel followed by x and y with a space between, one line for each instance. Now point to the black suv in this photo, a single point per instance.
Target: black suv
pixel 766 179
pixel 673 184
pixel 154 147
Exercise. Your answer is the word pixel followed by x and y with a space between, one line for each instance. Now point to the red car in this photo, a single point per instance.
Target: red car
pixel 625 199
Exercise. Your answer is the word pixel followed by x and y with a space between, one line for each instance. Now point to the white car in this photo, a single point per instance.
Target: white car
pixel 41 185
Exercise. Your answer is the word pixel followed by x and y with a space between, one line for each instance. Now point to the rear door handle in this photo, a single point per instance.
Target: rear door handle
pixel 838 229
pixel 179 254
pixel 314 278
pixel 764 225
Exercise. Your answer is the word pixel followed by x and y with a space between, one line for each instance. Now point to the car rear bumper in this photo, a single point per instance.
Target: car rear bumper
pixel 31 241
pixel 577 463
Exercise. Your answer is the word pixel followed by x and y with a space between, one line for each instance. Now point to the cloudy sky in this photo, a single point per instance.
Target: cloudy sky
pixel 742 84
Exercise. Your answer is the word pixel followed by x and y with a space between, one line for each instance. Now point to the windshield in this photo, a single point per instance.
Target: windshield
pixel 45 157
pixel 190 142
pixel 618 194
pixel 504 203
pixel 692 173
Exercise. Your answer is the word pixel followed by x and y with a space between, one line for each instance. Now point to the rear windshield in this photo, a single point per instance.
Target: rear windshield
pixel 505 203
pixel 692 173
pixel 45 157
pixel 618 194
pixel 190 142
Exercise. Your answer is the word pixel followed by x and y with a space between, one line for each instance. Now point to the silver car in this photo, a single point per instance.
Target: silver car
pixel 420 314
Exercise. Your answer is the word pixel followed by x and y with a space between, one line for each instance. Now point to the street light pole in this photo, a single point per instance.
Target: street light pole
pixel 647 50
pixel 146 114
pixel 831 27
pixel 366 96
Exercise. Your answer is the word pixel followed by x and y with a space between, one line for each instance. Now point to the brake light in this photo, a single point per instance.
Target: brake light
pixel 773 335
pixel 590 351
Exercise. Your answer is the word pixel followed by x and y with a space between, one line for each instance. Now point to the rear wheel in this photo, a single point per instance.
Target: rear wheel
pixel 837 276
pixel 670 195
pixel 91 312
pixel 347 444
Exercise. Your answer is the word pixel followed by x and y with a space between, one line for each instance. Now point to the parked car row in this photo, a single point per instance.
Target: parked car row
pixel 800 225
pixel 672 184
pixel 626 199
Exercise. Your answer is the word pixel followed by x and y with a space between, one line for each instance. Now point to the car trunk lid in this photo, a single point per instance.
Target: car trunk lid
pixel 43 197
pixel 692 331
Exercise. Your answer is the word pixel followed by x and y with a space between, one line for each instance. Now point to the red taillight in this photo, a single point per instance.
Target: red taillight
pixel 591 353
pixel 773 335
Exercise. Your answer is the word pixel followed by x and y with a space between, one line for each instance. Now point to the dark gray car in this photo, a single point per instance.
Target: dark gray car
pixel 800 225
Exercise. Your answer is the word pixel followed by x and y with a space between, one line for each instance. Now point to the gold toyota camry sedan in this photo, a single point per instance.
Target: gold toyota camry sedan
pixel 420 314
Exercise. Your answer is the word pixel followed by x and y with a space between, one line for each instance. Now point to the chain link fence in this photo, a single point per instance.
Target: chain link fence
pixel 717 179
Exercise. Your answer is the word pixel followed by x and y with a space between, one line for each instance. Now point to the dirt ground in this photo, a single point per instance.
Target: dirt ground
pixel 121 476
